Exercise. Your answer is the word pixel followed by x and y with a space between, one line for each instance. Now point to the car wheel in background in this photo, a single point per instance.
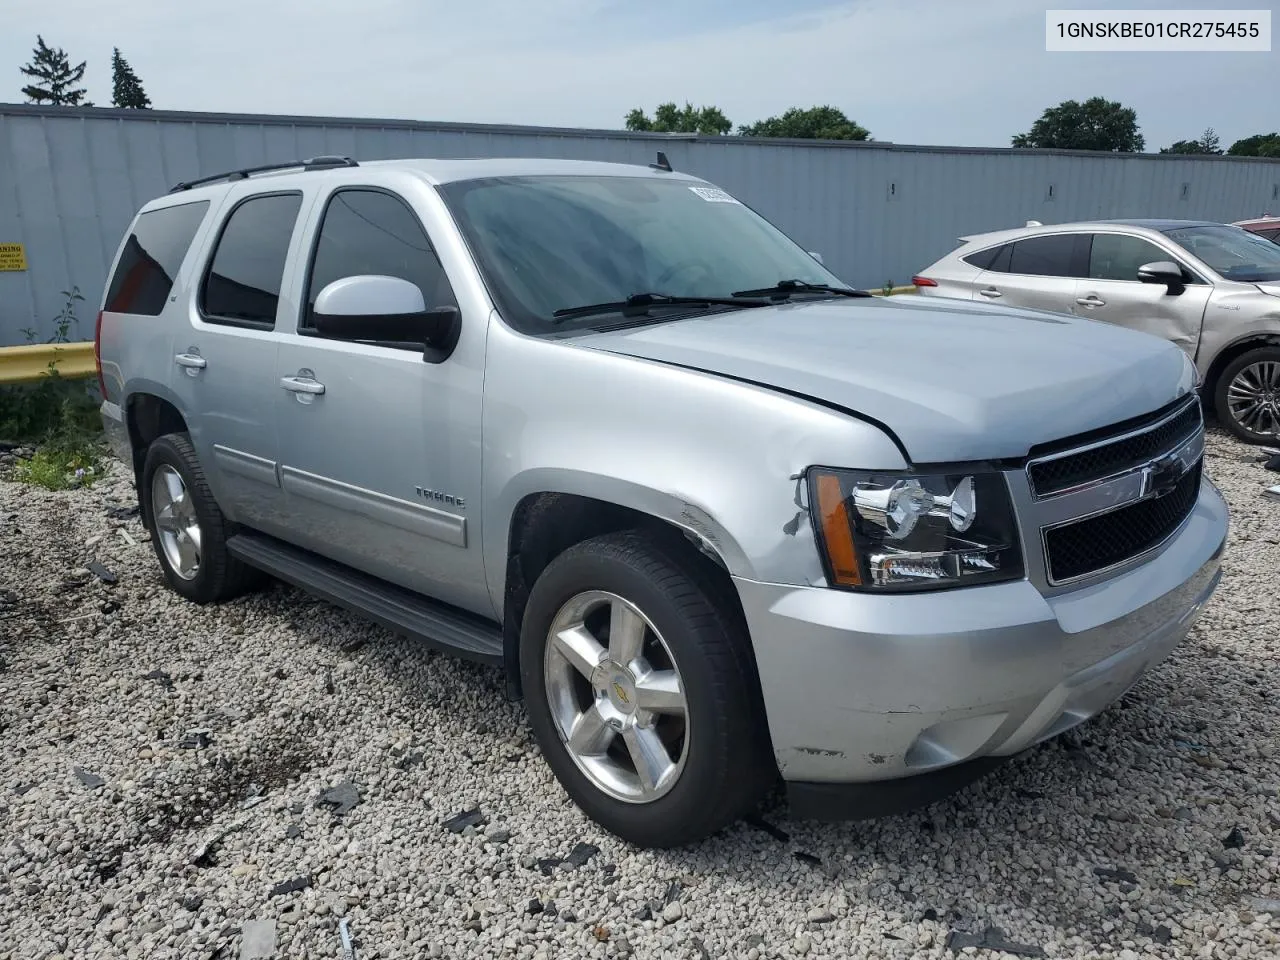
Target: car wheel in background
pixel 1247 395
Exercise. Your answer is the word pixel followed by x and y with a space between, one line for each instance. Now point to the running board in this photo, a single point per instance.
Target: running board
pixel 439 625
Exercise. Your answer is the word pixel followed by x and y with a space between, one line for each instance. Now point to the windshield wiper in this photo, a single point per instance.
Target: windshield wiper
pixel 641 302
pixel 785 288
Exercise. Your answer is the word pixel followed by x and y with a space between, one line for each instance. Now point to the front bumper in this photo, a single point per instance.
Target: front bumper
pixel 860 689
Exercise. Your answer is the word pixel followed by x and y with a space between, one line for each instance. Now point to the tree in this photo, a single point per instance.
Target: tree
pixel 1259 145
pixel 1096 124
pixel 669 118
pixel 812 123
pixel 55 78
pixel 126 88
pixel 1207 143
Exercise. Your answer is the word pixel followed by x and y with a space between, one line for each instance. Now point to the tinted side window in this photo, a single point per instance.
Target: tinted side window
pixel 1114 256
pixel 151 256
pixel 1273 235
pixel 367 232
pixel 983 258
pixel 1048 256
pixel 243 282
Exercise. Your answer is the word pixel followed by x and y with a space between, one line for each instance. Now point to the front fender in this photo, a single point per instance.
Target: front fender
pixel 1236 321
pixel 721 459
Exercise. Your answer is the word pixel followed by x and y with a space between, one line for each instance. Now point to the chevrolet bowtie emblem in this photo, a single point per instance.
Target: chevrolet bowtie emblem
pixel 1161 476
pixel 622 694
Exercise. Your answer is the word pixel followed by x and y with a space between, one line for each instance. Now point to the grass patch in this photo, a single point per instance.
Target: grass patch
pixel 62 464
pixel 58 417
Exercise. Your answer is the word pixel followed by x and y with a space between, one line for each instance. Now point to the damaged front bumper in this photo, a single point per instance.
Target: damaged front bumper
pixel 878 703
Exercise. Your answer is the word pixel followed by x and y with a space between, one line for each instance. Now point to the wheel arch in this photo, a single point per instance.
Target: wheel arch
pixel 1226 355
pixel 545 523
pixel 150 412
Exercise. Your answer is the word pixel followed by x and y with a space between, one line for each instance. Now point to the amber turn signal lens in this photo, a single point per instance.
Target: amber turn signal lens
pixel 837 532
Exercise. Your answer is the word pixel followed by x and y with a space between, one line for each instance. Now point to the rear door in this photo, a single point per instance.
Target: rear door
pixel 1113 293
pixel 224 360
pixel 1038 272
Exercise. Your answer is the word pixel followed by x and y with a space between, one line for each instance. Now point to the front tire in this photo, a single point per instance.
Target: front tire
pixel 1247 396
pixel 188 530
pixel 641 693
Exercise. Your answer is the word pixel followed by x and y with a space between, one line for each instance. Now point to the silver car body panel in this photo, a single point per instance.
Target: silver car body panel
pixel 1211 315
pixel 413 471
pixel 1052 376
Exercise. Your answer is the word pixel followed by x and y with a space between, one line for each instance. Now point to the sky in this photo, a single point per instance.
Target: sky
pixel 952 72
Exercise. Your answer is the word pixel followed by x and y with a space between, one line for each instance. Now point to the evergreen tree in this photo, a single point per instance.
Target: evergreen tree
pixel 126 88
pixel 54 78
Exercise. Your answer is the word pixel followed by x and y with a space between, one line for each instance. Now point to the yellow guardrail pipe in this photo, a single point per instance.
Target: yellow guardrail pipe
pixel 894 291
pixel 28 364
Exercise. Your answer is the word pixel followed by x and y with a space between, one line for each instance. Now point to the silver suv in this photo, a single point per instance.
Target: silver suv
pixel 715 516
pixel 1211 288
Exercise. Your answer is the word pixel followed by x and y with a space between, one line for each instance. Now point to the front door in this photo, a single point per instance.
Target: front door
pixel 224 359
pixel 1113 293
pixel 380 452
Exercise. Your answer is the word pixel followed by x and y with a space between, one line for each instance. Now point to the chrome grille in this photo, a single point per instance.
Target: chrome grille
pixel 1078 549
pixel 1107 458
pixel 1113 500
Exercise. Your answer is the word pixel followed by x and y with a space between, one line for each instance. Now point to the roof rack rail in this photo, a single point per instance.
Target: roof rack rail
pixel 315 163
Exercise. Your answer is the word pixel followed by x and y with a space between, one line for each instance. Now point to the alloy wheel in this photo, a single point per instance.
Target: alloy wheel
pixel 616 697
pixel 1253 397
pixel 176 523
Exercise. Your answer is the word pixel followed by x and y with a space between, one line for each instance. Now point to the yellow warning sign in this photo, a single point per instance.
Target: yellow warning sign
pixel 13 258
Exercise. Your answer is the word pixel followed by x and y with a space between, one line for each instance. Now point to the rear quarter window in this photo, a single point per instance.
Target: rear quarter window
pixel 152 254
pixel 982 259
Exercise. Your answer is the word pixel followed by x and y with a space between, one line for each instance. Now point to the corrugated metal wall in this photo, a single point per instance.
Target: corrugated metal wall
pixel 71 179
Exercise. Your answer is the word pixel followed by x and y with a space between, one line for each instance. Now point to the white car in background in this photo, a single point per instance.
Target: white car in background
pixel 1211 288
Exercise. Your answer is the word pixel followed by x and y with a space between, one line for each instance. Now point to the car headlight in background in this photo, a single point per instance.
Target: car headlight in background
pixel 892 532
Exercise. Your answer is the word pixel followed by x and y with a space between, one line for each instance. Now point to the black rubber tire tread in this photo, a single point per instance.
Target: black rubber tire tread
pixel 1220 394
pixel 221 576
pixel 730 765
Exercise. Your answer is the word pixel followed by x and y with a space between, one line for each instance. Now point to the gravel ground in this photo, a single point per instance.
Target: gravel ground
pixel 164 770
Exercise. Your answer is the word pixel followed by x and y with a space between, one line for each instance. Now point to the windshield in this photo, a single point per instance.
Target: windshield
pixel 1231 251
pixel 555 243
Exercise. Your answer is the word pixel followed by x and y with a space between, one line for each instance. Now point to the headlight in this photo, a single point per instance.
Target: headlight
pixel 891 531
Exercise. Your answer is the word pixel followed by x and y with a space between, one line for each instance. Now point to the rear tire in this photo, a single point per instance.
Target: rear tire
pixel 1246 396
pixel 188 530
pixel 704 746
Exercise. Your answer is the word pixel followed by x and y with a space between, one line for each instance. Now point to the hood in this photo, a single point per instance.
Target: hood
pixel 954 380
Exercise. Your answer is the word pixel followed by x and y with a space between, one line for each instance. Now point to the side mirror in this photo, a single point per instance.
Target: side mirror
pixel 1163 271
pixel 386 310
pixel 816 255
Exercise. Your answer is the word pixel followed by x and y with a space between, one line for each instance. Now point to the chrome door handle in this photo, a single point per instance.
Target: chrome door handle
pixel 192 361
pixel 302 385
pixel 991 292
pixel 1090 301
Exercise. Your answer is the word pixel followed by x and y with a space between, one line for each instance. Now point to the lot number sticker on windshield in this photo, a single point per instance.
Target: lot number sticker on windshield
pixel 713 195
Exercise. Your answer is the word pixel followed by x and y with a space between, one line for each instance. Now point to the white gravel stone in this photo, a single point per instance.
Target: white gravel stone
pixel 298 697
